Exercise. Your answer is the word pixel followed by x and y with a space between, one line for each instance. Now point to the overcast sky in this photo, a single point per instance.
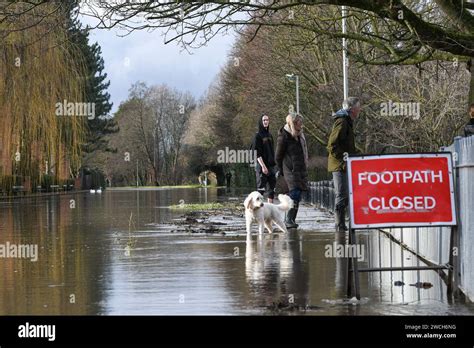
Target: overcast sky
pixel 142 56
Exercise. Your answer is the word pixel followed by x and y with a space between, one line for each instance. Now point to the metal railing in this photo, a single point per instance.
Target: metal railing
pixel 432 245
pixel 321 194
pixel 463 158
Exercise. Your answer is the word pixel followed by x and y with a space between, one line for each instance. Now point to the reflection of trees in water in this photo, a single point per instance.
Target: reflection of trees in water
pixel 68 264
pixel 274 269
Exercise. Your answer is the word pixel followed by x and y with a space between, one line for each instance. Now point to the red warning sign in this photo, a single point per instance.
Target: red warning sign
pixel 401 190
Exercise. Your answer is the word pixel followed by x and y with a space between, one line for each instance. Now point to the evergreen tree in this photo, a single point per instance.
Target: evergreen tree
pixel 95 83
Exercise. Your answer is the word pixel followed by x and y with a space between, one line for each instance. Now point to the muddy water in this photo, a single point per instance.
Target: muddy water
pixel 120 252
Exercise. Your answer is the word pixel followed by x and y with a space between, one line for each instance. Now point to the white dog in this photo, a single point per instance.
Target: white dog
pixel 265 213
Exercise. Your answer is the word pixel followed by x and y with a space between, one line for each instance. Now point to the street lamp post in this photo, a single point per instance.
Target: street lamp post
pixel 293 77
pixel 345 60
pixel 137 173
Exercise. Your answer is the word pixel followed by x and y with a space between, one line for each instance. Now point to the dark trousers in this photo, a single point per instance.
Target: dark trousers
pixel 266 183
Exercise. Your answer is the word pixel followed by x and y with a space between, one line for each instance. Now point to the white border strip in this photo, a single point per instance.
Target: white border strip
pixel 446 155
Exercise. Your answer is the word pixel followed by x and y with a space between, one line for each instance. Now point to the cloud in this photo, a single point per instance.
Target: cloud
pixel 143 56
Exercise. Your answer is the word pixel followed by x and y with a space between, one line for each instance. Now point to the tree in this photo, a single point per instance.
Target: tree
pixel 18 16
pixel 122 166
pixel 383 32
pixel 254 81
pixel 152 121
pixel 95 84
pixel 38 70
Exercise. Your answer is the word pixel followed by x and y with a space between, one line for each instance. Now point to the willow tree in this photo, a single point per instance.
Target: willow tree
pixel 37 71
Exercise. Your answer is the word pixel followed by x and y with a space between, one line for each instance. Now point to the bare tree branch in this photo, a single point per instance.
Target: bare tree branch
pixel 194 23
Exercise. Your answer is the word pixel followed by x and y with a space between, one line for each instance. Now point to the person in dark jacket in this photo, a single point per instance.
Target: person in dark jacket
pixel 342 140
pixel 265 166
pixel 292 162
pixel 228 177
pixel 469 127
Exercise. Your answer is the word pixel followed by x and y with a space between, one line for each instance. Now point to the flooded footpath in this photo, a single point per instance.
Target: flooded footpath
pixel 126 252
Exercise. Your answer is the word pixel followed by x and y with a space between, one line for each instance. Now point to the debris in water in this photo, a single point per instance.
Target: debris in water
pixel 218 219
pixel 285 306
pixel 346 301
pixel 424 285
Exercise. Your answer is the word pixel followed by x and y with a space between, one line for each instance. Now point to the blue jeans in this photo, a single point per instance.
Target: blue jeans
pixel 295 195
pixel 341 188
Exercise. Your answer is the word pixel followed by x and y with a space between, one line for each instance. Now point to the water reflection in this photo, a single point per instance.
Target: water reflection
pixel 66 277
pixel 82 253
pixel 274 268
pixel 397 286
pixel 341 273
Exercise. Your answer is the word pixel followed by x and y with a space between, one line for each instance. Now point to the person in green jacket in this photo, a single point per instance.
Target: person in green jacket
pixel 469 127
pixel 342 141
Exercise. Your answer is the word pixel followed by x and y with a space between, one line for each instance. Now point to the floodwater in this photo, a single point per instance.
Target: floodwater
pixel 121 252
